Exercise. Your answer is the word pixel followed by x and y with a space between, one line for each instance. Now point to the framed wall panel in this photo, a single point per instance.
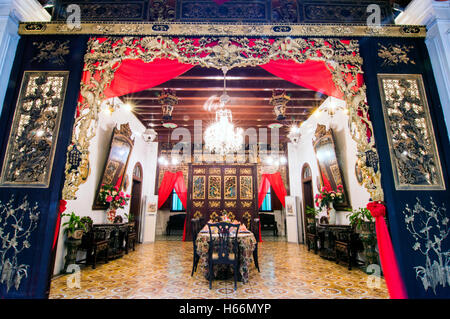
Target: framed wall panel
pixel 412 146
pixel 32 141
pixel 198 187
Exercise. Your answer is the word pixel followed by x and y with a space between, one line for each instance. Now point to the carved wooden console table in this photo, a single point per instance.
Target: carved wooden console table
pixel 338 242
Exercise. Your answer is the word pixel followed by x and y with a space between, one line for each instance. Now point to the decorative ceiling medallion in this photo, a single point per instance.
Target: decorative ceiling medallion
pixel 191 29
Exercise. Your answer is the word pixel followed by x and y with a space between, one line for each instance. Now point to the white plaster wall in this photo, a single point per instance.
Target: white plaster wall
pixel 303 152
pixel 145 153
pixel 436 16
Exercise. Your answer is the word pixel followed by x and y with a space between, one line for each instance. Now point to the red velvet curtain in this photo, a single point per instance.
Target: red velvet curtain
pixel 389 264
pixel 268 180
pixel 137 75
pixel 168 183
pixel 313 75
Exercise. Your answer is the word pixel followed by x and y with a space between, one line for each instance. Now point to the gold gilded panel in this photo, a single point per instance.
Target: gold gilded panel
pixel 199 171
pixel 246 187
pixel 214 204
pixel 246 204
pixel 198 204
pixel 411 137
pixel 230 171
pixel 246 171
pixel 214 187
pixel 230 187
pixel 34 133
pixel 214 171
pixel 198 187
pixel 231 204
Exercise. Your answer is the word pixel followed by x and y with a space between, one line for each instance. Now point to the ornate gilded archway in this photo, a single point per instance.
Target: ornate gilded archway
pixel 341 57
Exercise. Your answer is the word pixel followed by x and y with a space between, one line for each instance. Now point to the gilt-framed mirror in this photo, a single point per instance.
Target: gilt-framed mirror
pixel 329 166
pixel 115 167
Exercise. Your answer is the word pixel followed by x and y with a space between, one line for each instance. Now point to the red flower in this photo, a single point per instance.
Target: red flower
pixel 123 203
pixel 128 196
pixel 317 204
pixel 121 194
pixel 109 199
pixel 116 198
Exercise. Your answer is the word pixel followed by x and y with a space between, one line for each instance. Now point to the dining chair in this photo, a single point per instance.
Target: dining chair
pixel 255 230
pixel 223 249
pixel 195 227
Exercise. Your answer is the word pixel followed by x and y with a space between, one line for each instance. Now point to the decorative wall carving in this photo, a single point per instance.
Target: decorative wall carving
pixel 395 54
pixel 430 229
pixel 17 224
pixel 342 58
pixel 222 29
pixel 162 10
pixel 51 51
pixel 102 11
pixel 412 146
pixel 284 11
pixel 34 133
pixel 237 10
pixel 198 187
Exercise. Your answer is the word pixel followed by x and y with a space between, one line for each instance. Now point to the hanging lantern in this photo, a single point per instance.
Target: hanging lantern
pixel 279 100
pixel 167 99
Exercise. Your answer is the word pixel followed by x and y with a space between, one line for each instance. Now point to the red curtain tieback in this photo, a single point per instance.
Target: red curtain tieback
pixel 376 209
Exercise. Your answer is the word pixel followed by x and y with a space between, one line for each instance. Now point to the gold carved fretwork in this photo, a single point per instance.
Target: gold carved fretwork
pixel 246 204
pixel 395 54
pixel 231 204
pixel 214 204
pixel 200 29
pixel 198 204
pixel 342 59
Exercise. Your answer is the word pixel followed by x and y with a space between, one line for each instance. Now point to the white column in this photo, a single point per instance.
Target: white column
pixel 11 13
pixel 436 16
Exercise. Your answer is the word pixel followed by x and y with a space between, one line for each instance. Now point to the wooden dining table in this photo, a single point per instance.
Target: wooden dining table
pixel 247 242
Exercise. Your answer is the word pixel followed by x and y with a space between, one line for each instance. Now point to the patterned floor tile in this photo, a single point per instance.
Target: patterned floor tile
pixel 163 270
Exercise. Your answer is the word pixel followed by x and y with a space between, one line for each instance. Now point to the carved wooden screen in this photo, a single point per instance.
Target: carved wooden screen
pixel 213 189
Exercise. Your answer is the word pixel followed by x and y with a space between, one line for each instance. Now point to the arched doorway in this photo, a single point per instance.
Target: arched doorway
pixel 136 196
pixel 307 192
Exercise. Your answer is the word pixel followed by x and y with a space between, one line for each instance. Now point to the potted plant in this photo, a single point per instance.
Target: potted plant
pixel 311 214
pixel 130 218
pixel 364 224
pixel 74 229
pixel 75 226
pixel 362 220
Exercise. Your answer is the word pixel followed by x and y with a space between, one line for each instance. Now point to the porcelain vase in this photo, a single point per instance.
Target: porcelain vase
pixel 110 215
pixel 331 214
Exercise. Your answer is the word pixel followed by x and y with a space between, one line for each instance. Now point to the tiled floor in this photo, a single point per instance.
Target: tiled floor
pixel 162 270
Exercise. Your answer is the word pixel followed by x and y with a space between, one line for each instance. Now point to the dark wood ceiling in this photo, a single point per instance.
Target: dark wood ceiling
pixel 250 90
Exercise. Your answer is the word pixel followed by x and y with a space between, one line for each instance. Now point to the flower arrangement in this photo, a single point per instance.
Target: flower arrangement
pixel 110 195
pixel 327 196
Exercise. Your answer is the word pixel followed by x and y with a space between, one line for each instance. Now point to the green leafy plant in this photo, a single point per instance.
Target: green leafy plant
pixel 75 222
pixel 311 212
pixel 360 216
pixel 130 217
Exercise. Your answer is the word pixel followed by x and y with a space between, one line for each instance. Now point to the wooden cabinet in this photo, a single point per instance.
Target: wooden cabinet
pixel 339 243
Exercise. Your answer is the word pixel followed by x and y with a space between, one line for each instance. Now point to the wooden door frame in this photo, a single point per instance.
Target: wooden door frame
pixel 140 180
pixel 304 180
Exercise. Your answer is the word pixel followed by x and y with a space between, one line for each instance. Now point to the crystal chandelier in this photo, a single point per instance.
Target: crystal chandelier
pixel 221 137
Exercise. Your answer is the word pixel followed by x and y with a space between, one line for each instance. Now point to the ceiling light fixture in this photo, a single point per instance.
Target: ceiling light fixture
pixel 221 137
